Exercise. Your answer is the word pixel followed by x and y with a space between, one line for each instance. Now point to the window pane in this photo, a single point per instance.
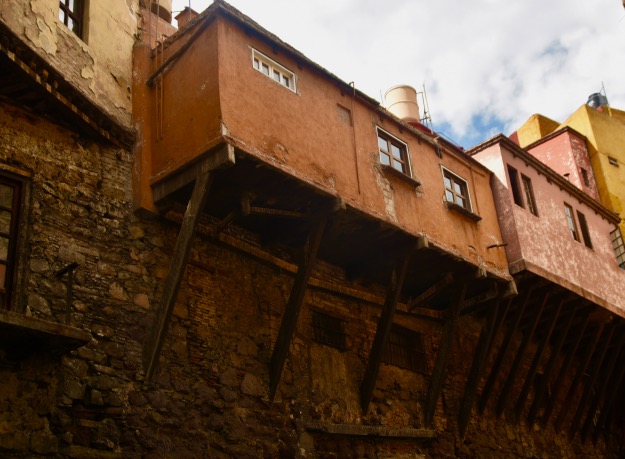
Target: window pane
pixel 447 183
pixel 62 16
pixel 449 196
pixel 256 64
pixel 460 201
pixel 385 159
pixel 396 151
pixel 6 196
pixel 5 221
pixel 4 248
pixel 458 188
pixel 383 144
pixel 265 69
pixel 286 82
pixel 399 166
pixel 3 275
pixel 71 5
pixel 276 76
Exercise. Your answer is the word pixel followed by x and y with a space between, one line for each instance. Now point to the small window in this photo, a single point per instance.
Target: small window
pixel 619 247
pixel 456 190
pixel 71 13
pixel 328 330
pixel 585 178
pixel 613 161
pixel 568 210
pixel 393 152
pixel 344 114
pixel 405 349
pixel 529 194
pixel 273 70
pixel 515 186
pixel 10 201
pixel 583 227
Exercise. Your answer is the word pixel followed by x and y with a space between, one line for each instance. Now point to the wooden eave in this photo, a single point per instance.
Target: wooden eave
pixel 551 175
pixel 29 81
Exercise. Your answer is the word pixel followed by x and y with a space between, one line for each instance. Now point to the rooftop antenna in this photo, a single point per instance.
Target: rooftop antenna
pixel 427 118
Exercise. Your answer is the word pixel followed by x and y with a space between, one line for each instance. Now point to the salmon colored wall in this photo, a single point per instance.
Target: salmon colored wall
pixel 545 242
pixel 302 134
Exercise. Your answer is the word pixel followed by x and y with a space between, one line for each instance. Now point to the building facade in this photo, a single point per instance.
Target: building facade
pixel 213 247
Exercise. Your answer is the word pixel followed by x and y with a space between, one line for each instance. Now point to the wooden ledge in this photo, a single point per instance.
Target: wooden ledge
pixel 370 431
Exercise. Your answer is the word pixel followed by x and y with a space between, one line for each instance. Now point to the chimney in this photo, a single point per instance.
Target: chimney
pixel 162 8
pixel 185 16
pixel 401 101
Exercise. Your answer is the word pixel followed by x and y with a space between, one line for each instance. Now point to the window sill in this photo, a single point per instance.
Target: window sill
pixel 467 213
pixel 400 175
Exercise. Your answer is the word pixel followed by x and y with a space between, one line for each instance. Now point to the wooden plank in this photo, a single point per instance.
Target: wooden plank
pixel 154 342
pixel 606 378
pixel 516 364
pixel 503 349
pixel 564 369
pixel 433 290
pixel 293 306
pixel 555 352
pixel 383 331
pixel 597 363
pixel 489 330
pixel 444 351
pixel 538 355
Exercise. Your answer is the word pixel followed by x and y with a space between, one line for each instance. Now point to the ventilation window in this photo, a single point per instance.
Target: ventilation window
pixel 585 178
pixel 405 349
pixel 613 161
pixel 273 70
pixel 328 330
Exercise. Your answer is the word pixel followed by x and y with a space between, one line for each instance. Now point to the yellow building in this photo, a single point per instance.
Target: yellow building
pixel 604 129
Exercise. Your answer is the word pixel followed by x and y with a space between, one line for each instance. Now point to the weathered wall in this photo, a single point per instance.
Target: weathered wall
pixel 99 66
pixel 210 395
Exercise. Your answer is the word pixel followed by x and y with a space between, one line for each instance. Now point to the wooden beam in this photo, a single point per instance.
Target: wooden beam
pixel 594 374
pixel 444 351
pixel 503 349
pixel 555 352
pixel 608 404
pixel 527 337
pixel 529 378
pixel 293 306
pixel 473 303
pixel 564 369
pixel 485 342
pixel 568 401
pixel 156 336
pixel 383 331
pixel 606 378
pixel 431 291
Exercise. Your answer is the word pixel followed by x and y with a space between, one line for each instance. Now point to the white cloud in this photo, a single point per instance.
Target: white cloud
pixel 490 60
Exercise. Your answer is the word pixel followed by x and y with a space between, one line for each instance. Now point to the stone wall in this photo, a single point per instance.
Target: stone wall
pixel 210 394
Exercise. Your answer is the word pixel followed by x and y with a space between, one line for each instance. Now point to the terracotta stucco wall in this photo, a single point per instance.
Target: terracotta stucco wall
pixel 100 66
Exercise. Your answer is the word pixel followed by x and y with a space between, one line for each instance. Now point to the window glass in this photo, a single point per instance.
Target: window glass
pixel 456 190
pixel 529 195
pixel 6 196
pixel 568 210
pixel 4 248
pixel 5 221
pixel 396 151
pixel 393 152
pixel 273 70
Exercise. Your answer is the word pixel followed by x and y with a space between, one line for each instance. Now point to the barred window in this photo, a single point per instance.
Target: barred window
pixel 328 330
pixel 619 247
pixel 71 13
pixel 405 349
pixel 10 201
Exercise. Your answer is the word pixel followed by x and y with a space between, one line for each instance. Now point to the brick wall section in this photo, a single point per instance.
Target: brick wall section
pixel 210 396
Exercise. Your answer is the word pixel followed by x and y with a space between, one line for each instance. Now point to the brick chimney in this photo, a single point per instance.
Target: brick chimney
pixel 185 16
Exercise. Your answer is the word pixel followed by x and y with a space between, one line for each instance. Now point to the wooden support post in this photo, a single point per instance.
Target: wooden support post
pixel 555 352
pixel 293 306
pixel 601 329
pixel 598 362
pixel 608 404
pixel 564 369
pixel 383 331
pixel 527 337
pixel 444 351
pixel 529 378
pixel 503 350
pixel 606 378
pixel 484 345
pixel 156 336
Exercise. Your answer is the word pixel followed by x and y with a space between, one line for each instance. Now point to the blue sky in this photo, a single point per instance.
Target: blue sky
pixel 486 65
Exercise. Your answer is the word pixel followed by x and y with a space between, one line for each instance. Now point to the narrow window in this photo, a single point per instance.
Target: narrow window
pixel 10 199
pixel 328 330
pixel 456 190
pixel 71 14
pixel 583 227
pixel 529 194
pixel 273 70
pixel 568 210
pixel 619 247
pixel 613 161
pixel 515 186
pixel 393 152
pixel 405 349
pixel 585 176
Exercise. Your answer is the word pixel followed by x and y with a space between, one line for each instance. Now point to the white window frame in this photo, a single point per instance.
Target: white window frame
pixel 285 77
pixel 466 184
pixel 407 162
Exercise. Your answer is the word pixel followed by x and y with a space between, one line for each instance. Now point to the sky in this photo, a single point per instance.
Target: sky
pixel 486 65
